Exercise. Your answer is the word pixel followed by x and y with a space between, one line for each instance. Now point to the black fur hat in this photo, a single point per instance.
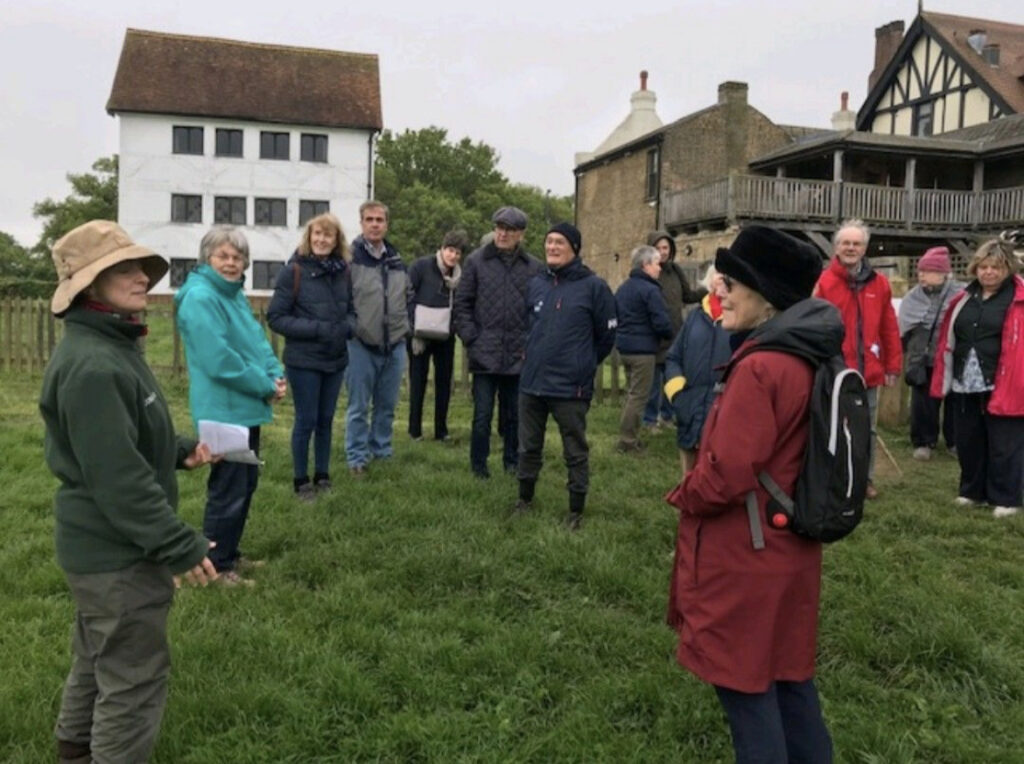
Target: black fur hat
pixel 782 268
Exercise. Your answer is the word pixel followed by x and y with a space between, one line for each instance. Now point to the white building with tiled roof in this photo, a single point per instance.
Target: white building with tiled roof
pixel 259 136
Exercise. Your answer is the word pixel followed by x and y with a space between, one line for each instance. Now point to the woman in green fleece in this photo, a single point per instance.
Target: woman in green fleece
pixel 234 377
pixel 110 442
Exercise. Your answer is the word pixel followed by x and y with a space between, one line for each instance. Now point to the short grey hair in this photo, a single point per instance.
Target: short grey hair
pixel 857 223
pixel 709 277
pixel 643 255
pixel 223 234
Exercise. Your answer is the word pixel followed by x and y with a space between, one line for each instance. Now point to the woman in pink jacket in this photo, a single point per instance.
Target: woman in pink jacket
pixel 980 363
pixel 747 612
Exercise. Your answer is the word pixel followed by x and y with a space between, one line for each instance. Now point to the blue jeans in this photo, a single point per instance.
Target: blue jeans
pixel 373 380
pixel 228 497
pixel 783 725
pixel 657 398
pixel 315 394
pixel 485 387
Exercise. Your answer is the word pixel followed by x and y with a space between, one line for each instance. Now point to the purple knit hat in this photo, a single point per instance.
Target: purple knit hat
pixel 935 259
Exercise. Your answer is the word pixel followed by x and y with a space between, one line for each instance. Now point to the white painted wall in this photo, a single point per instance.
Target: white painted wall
pixel 150 173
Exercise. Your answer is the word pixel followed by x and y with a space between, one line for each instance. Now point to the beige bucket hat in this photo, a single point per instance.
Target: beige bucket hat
pixel 81 254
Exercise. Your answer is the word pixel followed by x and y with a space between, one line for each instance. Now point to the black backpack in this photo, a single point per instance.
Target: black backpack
pixel 829 498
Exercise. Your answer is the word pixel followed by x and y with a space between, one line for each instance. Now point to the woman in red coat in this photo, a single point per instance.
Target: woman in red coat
pixel 746 617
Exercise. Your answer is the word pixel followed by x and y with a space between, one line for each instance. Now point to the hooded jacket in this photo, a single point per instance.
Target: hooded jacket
pixel 380 295
pixel 1007 398
pixel 311 309
pixel 643 320
pixel 572 329
pixel 675 289
pixel 872 343
pixel 231 366
pixel 490 308
pixel 748 617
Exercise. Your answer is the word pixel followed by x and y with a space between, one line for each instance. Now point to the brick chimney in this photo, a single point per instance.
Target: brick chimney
pixel 844 119
pixel 732 97
pixel 887 40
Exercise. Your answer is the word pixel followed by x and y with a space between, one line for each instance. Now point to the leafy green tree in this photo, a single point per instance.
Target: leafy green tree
pixel 24 273
pixel 93 196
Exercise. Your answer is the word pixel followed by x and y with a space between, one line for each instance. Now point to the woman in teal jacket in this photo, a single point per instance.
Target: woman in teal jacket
pixel 234 377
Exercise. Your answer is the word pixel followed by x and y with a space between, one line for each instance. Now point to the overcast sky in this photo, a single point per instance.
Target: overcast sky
pixel 536 80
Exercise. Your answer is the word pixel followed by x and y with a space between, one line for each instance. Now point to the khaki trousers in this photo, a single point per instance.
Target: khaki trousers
pixel 639 373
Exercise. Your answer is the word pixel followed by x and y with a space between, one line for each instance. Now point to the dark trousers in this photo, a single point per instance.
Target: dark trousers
pixel 228 496
pixel 781 726
pixel 571 418
pixel 990 450
pixel 443 355
pixel 485 388
pixel 116 690
pixel 925 413
pixel 315 394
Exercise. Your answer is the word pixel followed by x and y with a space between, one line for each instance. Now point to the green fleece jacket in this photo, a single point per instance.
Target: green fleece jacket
pixel 111 443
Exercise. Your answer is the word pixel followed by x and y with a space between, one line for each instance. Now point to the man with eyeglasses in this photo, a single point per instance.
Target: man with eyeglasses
pixel 491 318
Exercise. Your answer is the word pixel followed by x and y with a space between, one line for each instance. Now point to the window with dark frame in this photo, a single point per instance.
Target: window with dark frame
pixel 264 273
pixel 652 175
pixel 228 142
pixel 313 148
pixel 186 208
pixel 179 270
pixel 270 212
pixel 924 114
pixel 273 145
pixel 309 209
pixel 187 140
pixel 229 209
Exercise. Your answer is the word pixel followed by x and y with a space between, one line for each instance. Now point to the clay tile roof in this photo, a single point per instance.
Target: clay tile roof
pixel 1006 78
pixel 209 77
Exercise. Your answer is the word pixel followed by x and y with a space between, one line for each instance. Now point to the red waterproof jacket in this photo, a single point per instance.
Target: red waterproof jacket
pixel 1007 398
pixel 865 301
pixel 747 617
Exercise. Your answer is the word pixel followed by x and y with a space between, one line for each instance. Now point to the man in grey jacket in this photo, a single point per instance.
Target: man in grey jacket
pixel 376 353
pixel 491 318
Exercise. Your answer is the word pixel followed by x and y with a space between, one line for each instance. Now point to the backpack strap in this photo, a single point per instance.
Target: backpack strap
pixel 776 493
pixel 754 517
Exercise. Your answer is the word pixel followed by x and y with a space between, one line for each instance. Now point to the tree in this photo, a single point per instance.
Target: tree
pixel 23 273
pixel 432 185
pixel 93 197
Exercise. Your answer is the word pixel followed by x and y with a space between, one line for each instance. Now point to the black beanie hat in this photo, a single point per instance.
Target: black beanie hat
pixel 571 234
pixel 782 268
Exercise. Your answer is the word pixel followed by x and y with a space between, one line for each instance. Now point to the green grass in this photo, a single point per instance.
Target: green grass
pixel 407 619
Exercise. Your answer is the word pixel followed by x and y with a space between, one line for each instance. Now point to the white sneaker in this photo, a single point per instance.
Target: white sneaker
pixel 1005 511
pixel 963 501
pixel 922 453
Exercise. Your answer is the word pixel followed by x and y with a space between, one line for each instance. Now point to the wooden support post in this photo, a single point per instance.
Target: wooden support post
pixel 910 184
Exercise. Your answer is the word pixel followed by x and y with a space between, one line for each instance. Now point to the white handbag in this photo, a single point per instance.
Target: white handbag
pixel 432 323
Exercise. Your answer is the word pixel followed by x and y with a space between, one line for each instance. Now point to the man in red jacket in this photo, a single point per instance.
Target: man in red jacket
pixel 864 298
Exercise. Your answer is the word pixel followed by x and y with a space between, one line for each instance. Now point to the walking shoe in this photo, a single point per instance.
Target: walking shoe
pixel 247 565
pixel 922 453
pixel 573 521
pixel 952 451
pixel 963 501
pixel 322 484
pixel 483 474
pixel 359 471
pixel 305 493
pixel 636 447
pixel 231 579
pixel 522 506
pixel 871 492
pixel 1005 511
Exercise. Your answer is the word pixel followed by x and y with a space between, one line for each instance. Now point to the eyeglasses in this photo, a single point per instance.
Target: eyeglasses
pixel 726 282
pixel 226 258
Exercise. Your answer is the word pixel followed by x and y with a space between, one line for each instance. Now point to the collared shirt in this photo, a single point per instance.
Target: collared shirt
pixel 376 250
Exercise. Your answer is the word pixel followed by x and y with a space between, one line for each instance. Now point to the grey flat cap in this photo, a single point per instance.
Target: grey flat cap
pixel 513 217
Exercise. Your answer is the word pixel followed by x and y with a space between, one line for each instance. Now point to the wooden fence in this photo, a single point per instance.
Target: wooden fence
pixel 29 333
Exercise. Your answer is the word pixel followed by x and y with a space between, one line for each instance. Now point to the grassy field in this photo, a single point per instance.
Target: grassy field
pixel 407 618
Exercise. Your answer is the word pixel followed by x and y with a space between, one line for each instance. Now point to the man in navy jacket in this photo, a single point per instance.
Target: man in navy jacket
pixel 572 329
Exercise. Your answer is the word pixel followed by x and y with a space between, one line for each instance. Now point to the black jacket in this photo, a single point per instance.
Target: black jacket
pixel 311 309
pixel 643 318
pixel 572 329
pixel 490 308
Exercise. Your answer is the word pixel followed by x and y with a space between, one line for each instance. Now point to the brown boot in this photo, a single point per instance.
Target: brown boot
pixel 73 753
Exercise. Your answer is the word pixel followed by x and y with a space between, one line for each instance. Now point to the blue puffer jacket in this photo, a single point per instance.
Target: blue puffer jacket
pixel 310 309
pixel 572 329
pixel 231 366
pixel 643 317
pixel 693 366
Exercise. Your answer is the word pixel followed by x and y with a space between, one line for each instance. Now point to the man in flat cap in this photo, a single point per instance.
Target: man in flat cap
pixel 491 318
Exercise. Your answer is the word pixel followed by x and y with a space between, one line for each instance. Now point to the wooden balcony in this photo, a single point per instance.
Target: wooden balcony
pixel 825 203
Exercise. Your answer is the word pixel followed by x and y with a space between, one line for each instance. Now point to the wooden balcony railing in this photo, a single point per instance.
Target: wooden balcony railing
pixel 744 197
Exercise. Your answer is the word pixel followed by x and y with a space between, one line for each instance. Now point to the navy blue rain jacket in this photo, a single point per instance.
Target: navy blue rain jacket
pixel 643 317
pixel 572 329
